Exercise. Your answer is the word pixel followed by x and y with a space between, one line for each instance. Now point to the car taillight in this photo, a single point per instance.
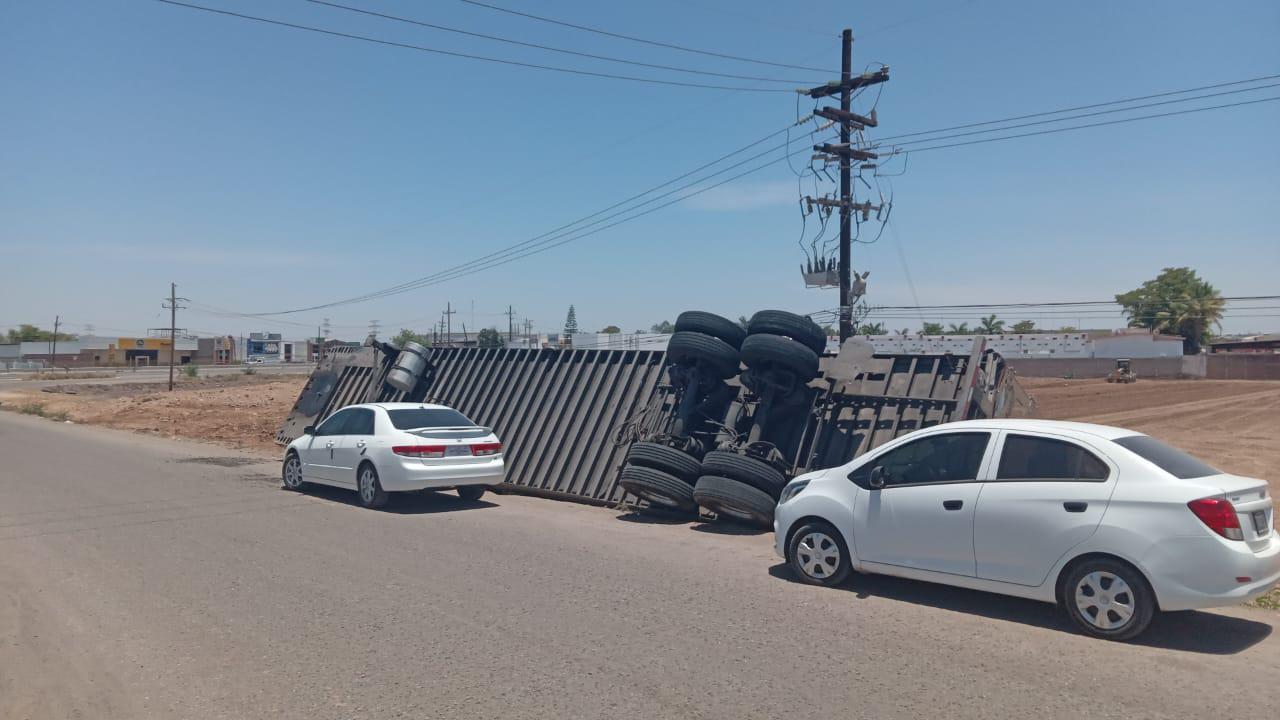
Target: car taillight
pixel 1219 515
pixel 419 451
pixel 481 449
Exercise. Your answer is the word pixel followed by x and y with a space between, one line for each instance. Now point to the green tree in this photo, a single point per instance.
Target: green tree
pixel 571 322
pixel 490 338
pixel 871 329
pixel 830 330
pixel 31 333
pixel 961 329
pixel 989 325
pixel 743 321
pixel 611 330
pixel 1023 327
pixel 406 335
pixel 1067 329
pixel 931 328
pixel 663 327
pixel 1176 302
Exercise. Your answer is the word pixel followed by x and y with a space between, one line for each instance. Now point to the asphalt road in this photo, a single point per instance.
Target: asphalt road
pixel 145 578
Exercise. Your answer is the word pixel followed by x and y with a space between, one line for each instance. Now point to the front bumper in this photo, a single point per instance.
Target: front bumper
pixel 413 474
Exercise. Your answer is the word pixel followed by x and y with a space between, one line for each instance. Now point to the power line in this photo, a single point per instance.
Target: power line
pixel 565 229
pixel 549 48
pixel 632 38
pixel 1092 125
pixel 468 56
pixel 1087 115
pixel 1084 107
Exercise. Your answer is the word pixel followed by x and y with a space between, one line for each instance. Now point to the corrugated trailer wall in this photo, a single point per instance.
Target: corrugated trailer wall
pixel 555 410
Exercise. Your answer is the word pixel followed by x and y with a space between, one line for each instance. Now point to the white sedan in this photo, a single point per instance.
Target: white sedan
pixel 382 448
pixel 1110 524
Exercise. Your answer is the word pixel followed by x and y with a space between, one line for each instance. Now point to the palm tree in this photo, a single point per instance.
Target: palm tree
pixel 931 328
pixel 871 329
pixel 961 329
pixel 991 326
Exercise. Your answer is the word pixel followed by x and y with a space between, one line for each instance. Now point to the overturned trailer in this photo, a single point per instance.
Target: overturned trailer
pixel 568 417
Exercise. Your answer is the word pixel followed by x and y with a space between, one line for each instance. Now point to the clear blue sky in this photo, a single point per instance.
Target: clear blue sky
pixel 264 168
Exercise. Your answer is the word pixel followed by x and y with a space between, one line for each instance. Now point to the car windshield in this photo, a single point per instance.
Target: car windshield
pixel 414 418
pixel 1170 459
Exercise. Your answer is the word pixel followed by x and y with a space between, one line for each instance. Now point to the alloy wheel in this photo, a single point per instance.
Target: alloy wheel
pixel 367 488
pixel 292 473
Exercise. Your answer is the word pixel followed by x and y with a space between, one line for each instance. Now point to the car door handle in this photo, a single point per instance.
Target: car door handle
pixel 1075 506
pixel 361 443
pixel 952 504
pixel 329 444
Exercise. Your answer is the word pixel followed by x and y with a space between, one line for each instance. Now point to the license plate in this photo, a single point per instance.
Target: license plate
pixel 457 450
pixel 1260 522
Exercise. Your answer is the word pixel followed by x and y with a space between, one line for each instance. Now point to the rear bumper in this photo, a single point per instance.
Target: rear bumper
pixel 1202 572
pixel 407 475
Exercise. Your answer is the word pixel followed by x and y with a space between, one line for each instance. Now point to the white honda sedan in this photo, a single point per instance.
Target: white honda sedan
pixel 1110 524
pixel 382 448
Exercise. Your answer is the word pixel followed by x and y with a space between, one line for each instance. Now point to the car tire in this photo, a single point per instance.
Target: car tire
pixel 755 473
pixel 765 351
pixel 797 327
pixel 713 325
pixel 369 488
pixel 662 490
pixel 818 555
pixel 1108 599
pixel 471 493
pixel 291 472
pixel 733 500
pixel 665 458
pixel 709 352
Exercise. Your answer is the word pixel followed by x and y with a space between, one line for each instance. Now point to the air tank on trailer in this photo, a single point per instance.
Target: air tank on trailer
pixel 408 368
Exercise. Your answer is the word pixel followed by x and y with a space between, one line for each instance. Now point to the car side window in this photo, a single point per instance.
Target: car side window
pixel 941 458
pixel 336 424
pixel 361 422
pixel 1037 458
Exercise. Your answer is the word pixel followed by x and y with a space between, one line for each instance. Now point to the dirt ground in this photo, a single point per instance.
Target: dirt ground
pixel 240 411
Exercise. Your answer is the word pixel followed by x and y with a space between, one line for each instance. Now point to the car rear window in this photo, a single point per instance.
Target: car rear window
pixel 1170 459
pixel 414 418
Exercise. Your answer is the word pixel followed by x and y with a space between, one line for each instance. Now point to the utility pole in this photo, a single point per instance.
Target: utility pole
pixel 172 306
pixel 53 351
pixel 511 326
pixel 373 328
pixel 449 312
pixel 848 121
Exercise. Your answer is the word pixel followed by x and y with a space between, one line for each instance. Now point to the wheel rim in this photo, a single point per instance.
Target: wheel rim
pixel 1105 600
pixel 818 555
pixel 366 485
pixel 292 472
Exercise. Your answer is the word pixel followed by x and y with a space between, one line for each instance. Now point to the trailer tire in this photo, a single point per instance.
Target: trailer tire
pixel 662 490
pixel 665 458
pixel 762 351
pixel 730 499
pixel 709 352
pixel 711 324
pixel 797 327
pixel 756 473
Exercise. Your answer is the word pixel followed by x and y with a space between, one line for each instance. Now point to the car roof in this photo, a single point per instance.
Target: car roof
pixel 1064 427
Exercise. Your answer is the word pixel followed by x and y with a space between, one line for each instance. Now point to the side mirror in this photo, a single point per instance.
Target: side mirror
pixel 309 430
pixel 877 477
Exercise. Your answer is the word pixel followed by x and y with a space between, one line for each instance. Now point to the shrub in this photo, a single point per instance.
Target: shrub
pixel 191 370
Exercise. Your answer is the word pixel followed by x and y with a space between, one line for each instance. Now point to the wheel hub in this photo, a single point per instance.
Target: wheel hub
pixel 1105 600
pixel 818 554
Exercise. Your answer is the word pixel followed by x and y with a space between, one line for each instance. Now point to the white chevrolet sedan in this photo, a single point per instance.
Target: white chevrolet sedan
pixel 382 448
pixel 1110 524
